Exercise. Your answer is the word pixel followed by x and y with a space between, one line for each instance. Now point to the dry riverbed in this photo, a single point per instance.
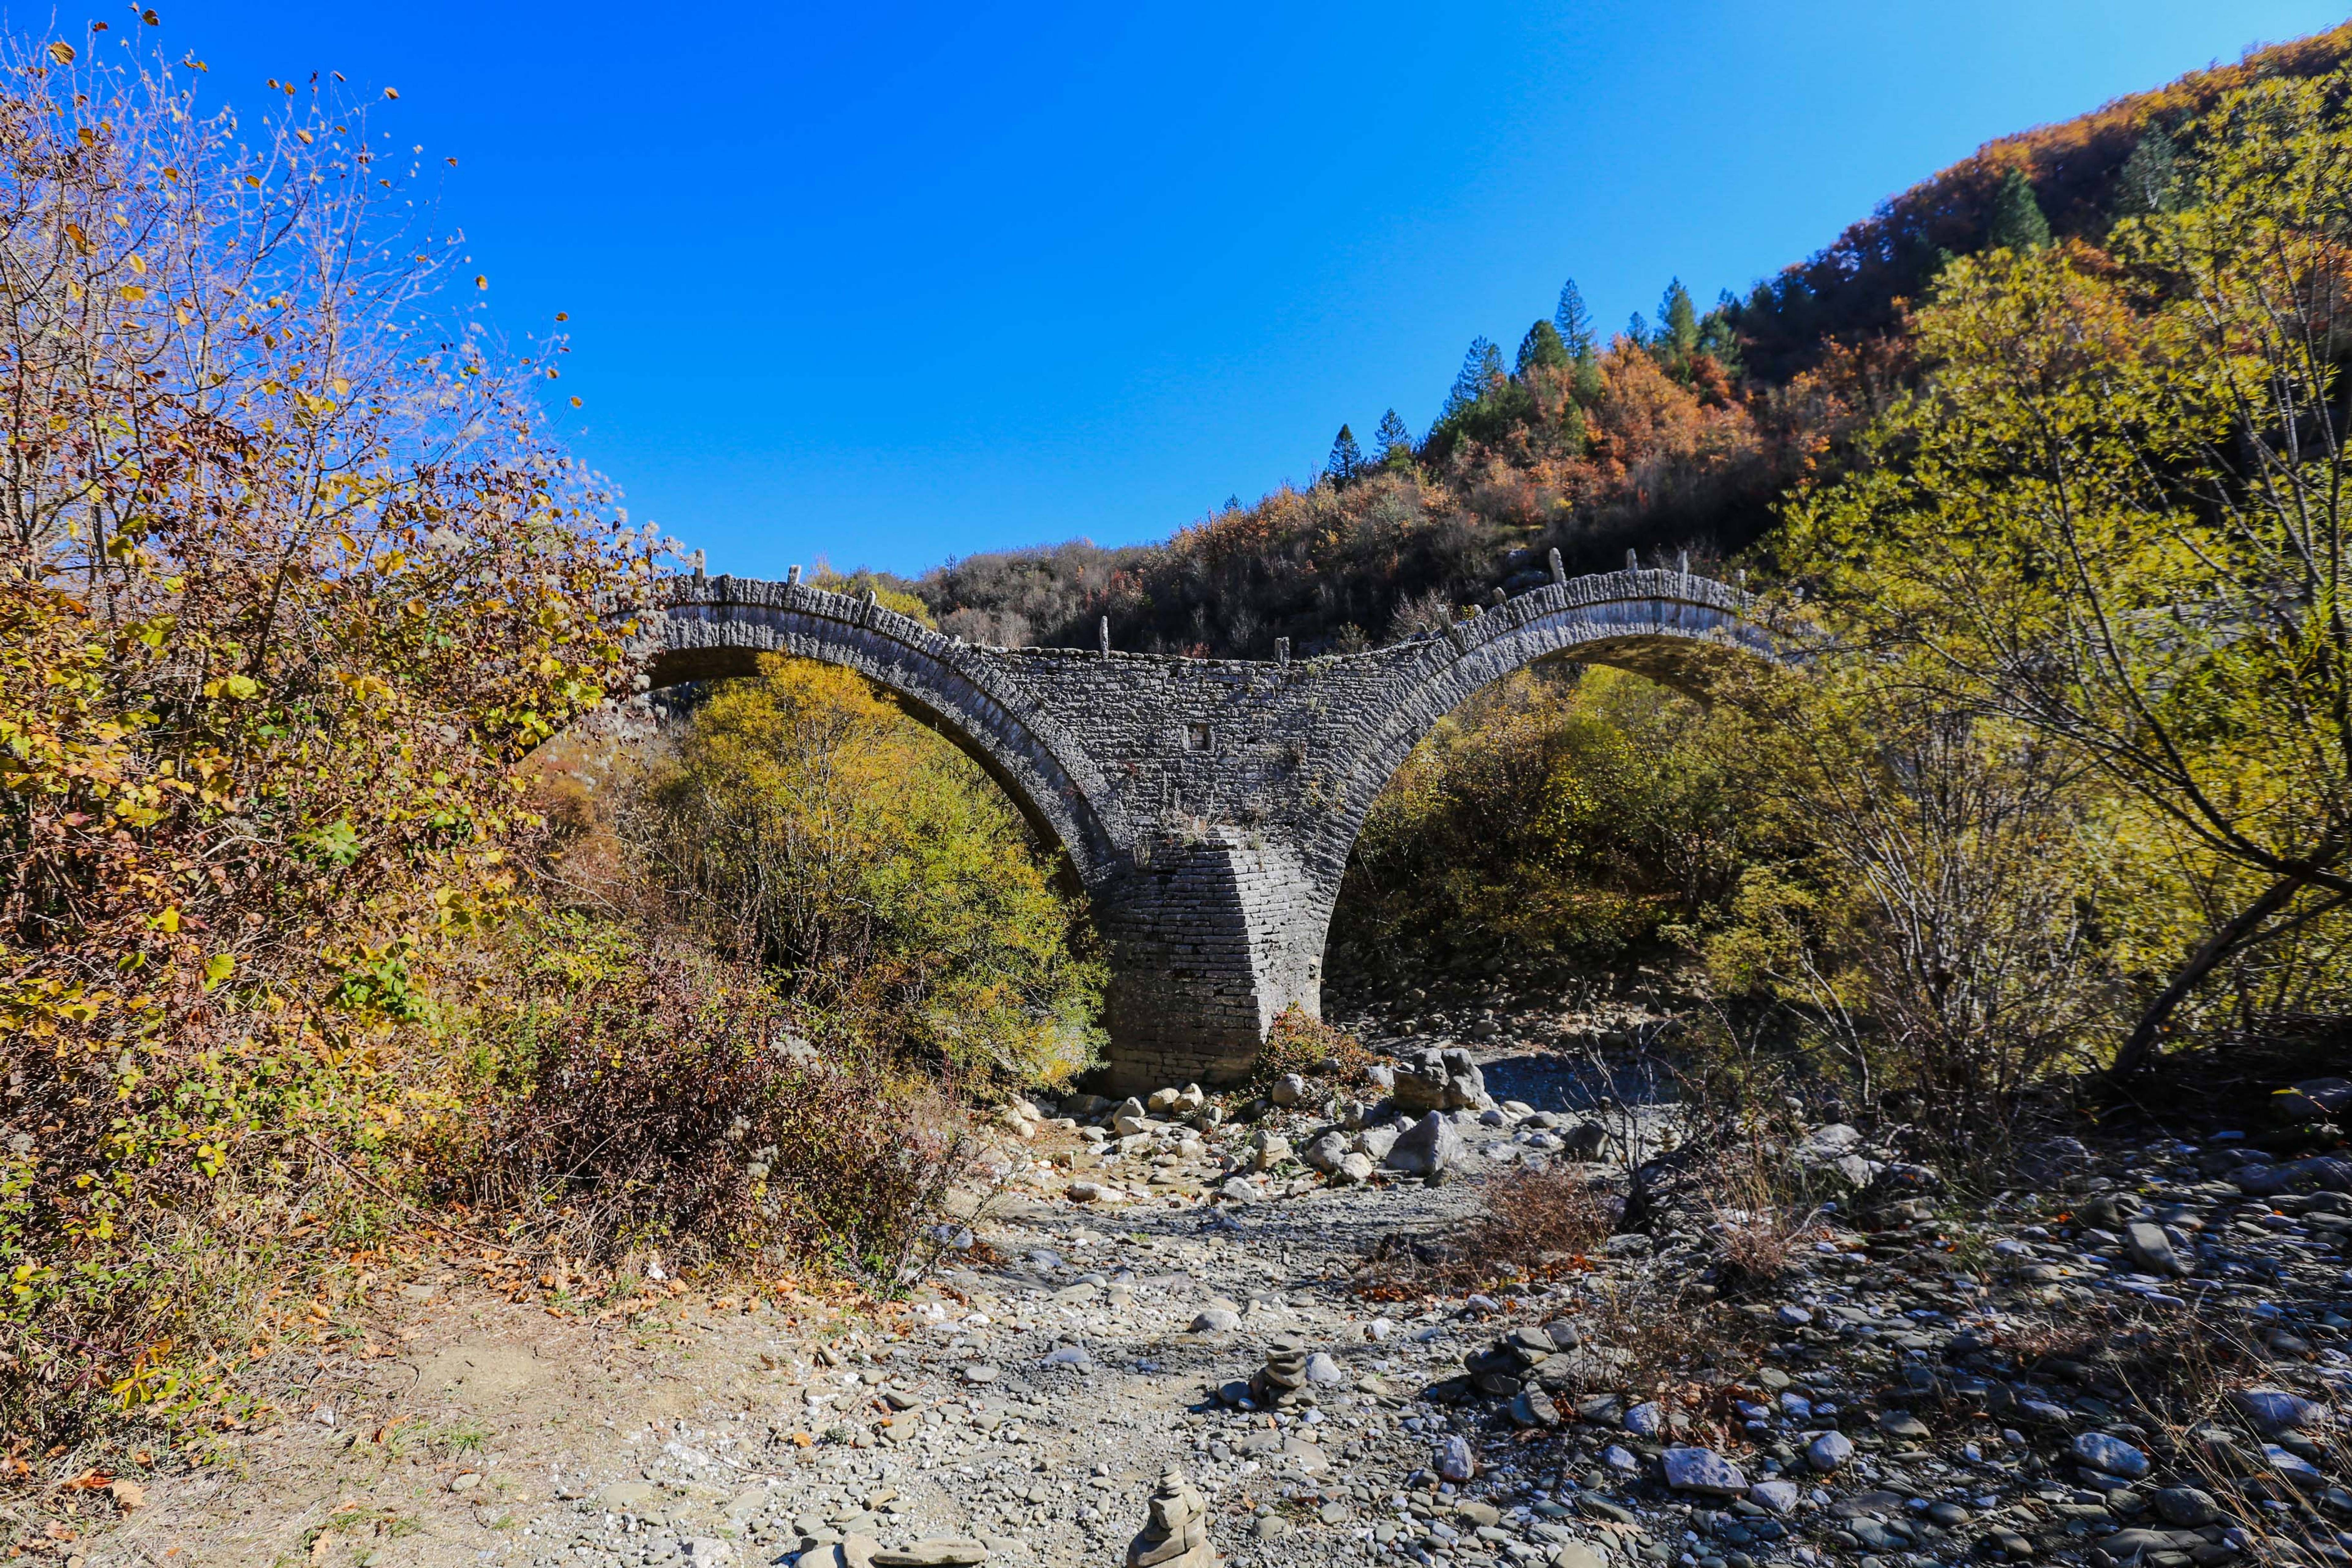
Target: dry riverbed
pixel 1930 1380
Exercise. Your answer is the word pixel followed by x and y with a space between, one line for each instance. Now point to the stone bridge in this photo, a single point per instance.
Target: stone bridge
pixel 1206 805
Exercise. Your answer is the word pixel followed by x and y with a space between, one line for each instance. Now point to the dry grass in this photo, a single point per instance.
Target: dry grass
pixel 664 1109
pixel 2171 1373
pixel 1675 1340
pixel 1532 1225
pixel 1312 1049
pixel 1756 1213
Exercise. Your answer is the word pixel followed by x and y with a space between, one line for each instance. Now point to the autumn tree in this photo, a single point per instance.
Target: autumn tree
pixel 292 575
pixel 2149 180
pixel 2115 516
pixel 874 870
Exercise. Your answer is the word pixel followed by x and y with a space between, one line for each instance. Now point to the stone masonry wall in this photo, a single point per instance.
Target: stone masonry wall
pixel 1207 806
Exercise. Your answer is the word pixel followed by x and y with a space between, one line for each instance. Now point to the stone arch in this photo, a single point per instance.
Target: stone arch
pixel 1678 629
pixel 717 627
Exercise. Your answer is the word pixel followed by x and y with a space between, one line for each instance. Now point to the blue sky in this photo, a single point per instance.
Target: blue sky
pixel 888 283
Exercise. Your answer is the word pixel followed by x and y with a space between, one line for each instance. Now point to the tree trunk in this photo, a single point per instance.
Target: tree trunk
pixel 2224 940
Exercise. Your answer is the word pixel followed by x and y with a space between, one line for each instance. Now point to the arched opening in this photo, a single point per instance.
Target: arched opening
pixel 875 860
pixel 1553 829
pixel 697 667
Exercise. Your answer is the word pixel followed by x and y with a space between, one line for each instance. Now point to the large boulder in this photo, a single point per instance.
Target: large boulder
pixel 1441 1080
pixel 1325 1151
pixel 2313 1099
pixel 1420 1084
pixel 1430 1146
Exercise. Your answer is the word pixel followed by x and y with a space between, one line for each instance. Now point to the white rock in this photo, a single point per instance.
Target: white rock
pixel 2112 1455
pixel 1433 1145
pixel 1829 1451
pixel 1703 1470
pixel 1324 1153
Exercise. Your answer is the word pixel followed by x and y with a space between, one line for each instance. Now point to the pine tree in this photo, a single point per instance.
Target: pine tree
pixel 1638 330
pixel 1573 321
pixel 2150 180
pixel 1542 347
pixel 1392 439
pixel 1678 322
pixel 1347 458
pixel 1718 333
pixel 1482 367
pixel 1589 384
pixel 2017 221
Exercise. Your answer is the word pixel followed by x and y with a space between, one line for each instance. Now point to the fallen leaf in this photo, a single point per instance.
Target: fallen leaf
pixel 128 1494
pixel 88 1481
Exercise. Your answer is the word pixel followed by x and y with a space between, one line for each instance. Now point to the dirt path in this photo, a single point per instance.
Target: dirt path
pixel 1042 1396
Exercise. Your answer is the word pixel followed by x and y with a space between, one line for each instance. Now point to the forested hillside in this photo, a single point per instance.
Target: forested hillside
pixel 1673 434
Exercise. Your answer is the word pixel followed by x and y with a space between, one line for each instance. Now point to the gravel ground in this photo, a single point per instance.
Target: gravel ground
pixel 2005 1377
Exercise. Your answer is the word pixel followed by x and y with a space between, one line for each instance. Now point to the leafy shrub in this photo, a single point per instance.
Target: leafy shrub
pixel 669 1104
pixel 1311 1049
pixel 1934 926
pixel 807 825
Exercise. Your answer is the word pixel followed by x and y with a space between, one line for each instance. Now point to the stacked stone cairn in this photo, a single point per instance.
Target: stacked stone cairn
pixel 1277 1384
pixel 1528 1366
pixel 1178 1533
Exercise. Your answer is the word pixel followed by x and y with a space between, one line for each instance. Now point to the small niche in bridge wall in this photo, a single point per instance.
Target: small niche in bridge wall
pixel 1196 735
